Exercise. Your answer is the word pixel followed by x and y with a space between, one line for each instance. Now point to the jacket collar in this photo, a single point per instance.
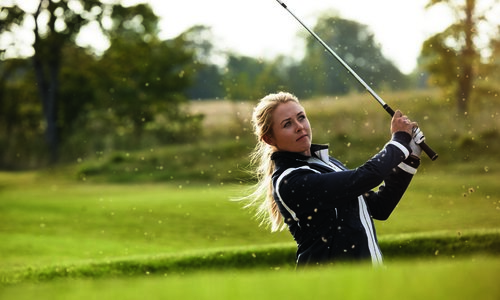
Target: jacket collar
pixel 318 150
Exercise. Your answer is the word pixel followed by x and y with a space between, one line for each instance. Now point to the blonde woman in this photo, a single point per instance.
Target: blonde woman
pixel 327 208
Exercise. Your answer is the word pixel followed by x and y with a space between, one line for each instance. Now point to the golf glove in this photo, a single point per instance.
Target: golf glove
pixel 415 149
pixel 417 138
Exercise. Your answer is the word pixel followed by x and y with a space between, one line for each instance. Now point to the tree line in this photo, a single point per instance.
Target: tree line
pixel 67 101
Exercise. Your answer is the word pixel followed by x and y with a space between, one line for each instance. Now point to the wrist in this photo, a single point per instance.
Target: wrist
pixel 410 164
pixel 402 137
pixel 414 157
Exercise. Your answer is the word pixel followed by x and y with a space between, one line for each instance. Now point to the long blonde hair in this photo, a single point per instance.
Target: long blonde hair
pixel 262 196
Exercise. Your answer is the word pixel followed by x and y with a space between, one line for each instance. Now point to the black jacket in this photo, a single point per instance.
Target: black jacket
pixel 329 209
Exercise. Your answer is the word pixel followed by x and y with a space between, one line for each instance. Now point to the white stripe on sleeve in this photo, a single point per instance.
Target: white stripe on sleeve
pixel 401 147
pixel 407 168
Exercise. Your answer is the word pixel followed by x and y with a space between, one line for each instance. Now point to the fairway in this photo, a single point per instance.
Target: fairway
pixel 445 279
pixel 50 222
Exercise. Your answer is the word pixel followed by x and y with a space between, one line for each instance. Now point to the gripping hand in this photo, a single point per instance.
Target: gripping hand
pixel 417 138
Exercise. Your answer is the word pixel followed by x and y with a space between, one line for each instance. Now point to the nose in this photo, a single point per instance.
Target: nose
pixel 299 126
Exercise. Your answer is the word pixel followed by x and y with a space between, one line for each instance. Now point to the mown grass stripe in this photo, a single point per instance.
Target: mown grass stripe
pixel 273 256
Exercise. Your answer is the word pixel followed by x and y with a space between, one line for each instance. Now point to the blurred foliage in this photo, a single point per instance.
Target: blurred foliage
pixel 356 45
pixel 461 59
pixel 249 78
pixel 317 73
pixel 54 25
pixel 127 98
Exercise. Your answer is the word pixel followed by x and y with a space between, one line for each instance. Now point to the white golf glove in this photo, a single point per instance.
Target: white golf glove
pixel 417 138
pixel 418 135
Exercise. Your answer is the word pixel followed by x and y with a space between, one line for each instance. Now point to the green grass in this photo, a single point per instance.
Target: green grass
pixel 447 200
pixel 467 278
pixel 46 222
pixel 423 247
pixel 50 226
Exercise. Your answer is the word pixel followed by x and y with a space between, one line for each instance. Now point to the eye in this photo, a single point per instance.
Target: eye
pixel 287 124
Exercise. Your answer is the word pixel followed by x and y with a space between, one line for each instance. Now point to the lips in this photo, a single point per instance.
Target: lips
pixel 300 138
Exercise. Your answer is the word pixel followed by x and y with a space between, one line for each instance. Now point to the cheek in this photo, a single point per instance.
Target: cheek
pixel 282 136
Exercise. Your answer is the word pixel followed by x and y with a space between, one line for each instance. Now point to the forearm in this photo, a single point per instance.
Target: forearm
pixel 383 202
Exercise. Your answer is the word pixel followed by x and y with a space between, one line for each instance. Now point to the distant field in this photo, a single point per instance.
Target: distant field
pixel 354 126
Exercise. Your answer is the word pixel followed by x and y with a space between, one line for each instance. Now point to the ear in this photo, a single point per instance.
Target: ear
pixel 268 139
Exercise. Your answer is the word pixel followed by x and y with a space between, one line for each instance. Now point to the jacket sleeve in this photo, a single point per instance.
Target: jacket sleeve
pixel 303 189
pixel 383 202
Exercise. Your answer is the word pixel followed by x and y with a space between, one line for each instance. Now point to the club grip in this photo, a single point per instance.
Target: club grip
pixel 431 153
pixel 388 109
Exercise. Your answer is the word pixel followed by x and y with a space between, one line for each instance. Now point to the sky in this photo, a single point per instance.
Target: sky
pixel 263 28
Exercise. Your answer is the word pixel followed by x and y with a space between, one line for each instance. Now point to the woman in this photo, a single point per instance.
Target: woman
pixel 327 208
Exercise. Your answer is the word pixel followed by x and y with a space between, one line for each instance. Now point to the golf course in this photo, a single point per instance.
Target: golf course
pixel 163 223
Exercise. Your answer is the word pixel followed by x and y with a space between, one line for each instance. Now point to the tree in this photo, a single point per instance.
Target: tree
pixel 19 113
pixel 137 78
pixel 356 45
pixel 492 68
pixel 453 57
pixel 275 76
pixel 240 77
pixel 207 75
pixel 143 77
pixel 56 23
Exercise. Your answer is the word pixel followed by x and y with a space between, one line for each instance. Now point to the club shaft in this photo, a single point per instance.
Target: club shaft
pixel 337 57
pixel 433 155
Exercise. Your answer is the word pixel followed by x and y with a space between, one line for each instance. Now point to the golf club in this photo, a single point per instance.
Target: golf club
pixel 432 155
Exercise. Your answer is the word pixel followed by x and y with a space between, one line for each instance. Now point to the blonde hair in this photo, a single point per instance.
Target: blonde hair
pixel 262 196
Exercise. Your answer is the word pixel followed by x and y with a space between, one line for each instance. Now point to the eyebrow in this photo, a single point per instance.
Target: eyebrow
pixel 288 119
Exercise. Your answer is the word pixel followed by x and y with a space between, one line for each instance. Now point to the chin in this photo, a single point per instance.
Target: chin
pixel 305 150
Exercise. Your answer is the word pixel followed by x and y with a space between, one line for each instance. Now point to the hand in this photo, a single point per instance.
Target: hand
pixel 415 149
pixel 416 139
pixel 401 122
pixel 417 135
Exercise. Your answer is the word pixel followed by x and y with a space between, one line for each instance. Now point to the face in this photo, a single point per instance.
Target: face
pixel 291 130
